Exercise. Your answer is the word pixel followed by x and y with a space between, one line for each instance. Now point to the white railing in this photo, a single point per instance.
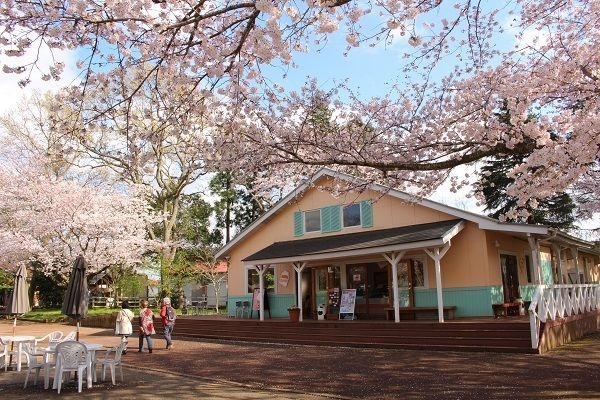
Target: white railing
pixel 550 302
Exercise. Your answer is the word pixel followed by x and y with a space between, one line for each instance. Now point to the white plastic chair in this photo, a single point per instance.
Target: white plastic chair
pixel 72 356
pixel 112 360
pixel 69 336
pixel 4 354
pixel 36 363
pixel 52 338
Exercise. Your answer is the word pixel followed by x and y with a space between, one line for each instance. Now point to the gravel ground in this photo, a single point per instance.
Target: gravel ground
pixel 310 372
pixel 573 372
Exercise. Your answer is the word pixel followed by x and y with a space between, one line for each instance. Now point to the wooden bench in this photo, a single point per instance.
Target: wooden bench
pixel 411 312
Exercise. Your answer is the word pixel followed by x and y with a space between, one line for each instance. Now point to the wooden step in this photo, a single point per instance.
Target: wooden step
pixel 494 336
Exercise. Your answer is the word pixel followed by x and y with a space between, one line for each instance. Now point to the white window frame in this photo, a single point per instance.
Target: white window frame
pixel 304 215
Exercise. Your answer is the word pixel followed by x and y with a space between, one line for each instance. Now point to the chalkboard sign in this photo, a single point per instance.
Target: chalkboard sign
pixel 347 303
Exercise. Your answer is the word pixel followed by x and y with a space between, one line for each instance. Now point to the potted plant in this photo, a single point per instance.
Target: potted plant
pixel 294 313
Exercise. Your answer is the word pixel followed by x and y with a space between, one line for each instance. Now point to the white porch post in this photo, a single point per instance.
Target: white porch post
pixel 299 267
pixel 557 254
pixel 575 254
pixel 534 245
pixel 261 269
pixel 394 258
pixel 436 254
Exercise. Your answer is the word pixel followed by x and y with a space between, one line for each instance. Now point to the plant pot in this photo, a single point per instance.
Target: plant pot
pixel 294 314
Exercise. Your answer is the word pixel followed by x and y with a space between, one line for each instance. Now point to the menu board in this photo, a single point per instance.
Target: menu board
pixel 347 303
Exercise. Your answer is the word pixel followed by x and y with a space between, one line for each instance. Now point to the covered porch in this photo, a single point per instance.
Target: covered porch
pixel 366 263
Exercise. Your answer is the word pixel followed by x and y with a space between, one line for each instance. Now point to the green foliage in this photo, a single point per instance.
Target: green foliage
pixel 127 282
pixel 236 207
pixel 6 279
pixel 557 211
pixel 51 286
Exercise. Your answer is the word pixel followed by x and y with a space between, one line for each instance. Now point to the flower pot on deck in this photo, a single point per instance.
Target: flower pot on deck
pixel 294 314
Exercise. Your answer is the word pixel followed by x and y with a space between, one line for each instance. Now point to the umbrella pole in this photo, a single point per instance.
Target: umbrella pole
pixel 12 342
pixel 77 331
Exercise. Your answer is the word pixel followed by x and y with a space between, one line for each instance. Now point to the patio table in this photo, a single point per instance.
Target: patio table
pixel 18 340
pixel 91 370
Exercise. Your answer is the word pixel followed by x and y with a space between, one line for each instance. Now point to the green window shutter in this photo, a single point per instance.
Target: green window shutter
pixel 331 219
pixel 366 213
pixel 298 223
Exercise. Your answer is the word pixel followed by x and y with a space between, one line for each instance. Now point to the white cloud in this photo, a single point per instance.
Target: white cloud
pixel 9 83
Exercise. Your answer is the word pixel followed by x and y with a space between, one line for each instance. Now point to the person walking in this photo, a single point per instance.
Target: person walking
pixel 123 326
pixel 146 326
pixel 168 315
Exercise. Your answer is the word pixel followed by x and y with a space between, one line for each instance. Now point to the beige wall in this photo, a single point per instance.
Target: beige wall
pixel 473 259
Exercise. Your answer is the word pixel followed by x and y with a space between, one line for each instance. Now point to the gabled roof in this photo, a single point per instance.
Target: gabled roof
pixel 482 221
pixel 353 244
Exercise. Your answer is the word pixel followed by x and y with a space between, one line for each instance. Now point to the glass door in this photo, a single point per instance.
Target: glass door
pixel 371 281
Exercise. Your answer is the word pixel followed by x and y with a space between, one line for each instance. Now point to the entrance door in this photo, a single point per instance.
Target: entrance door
pixel 371 281
pixel 510 277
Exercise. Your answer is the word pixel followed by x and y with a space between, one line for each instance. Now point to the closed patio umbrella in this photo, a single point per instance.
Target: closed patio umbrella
pixel 18 303
pixel 75 304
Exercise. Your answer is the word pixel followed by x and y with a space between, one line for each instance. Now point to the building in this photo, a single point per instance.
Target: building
pixel 394 252
pixel 207 295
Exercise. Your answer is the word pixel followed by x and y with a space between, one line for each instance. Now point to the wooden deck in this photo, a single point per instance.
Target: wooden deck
pixel 473 334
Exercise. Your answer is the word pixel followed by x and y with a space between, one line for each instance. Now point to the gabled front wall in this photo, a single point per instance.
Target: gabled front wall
pixel 470 270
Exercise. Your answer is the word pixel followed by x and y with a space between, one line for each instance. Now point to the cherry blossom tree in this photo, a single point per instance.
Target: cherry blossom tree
pixel 52 221
pixel 468 58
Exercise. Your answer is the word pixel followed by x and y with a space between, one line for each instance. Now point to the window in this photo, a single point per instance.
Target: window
pixel 253 280
pixel 351 215
pixel 333 218
pixel 312 221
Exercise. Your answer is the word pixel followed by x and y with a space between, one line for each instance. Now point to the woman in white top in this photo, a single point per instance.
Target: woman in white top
pixel 123 325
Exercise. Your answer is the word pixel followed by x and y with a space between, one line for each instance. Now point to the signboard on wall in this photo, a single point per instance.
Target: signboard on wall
pixel 347 302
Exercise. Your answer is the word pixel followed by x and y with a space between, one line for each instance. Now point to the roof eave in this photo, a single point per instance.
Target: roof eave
pixel 349 253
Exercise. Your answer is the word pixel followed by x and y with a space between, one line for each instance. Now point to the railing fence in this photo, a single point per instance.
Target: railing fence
pixel 550 302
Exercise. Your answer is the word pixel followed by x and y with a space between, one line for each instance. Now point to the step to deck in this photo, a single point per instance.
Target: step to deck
pixel 493 336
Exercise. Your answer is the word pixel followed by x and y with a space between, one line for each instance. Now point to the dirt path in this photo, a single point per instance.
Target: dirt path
pixel 281 371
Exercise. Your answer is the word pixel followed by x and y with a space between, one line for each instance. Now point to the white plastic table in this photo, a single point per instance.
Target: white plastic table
pixel 18 340
pixel 91 370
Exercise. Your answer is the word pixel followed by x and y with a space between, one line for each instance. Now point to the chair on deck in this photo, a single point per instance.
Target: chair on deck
pixel 246 308
pixel 112 360
pixel 239 310
pixel 72 356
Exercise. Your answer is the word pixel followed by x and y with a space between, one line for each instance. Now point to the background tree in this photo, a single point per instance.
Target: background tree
pixel 556 210
pixel 459 59
pixel 210 271
pixel 50 285
pixel 236 205
pixel 159 142
pixel 53 221
pixel 127 282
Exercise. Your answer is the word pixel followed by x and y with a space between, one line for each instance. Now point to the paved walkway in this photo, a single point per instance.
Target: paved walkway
pixel 225 370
